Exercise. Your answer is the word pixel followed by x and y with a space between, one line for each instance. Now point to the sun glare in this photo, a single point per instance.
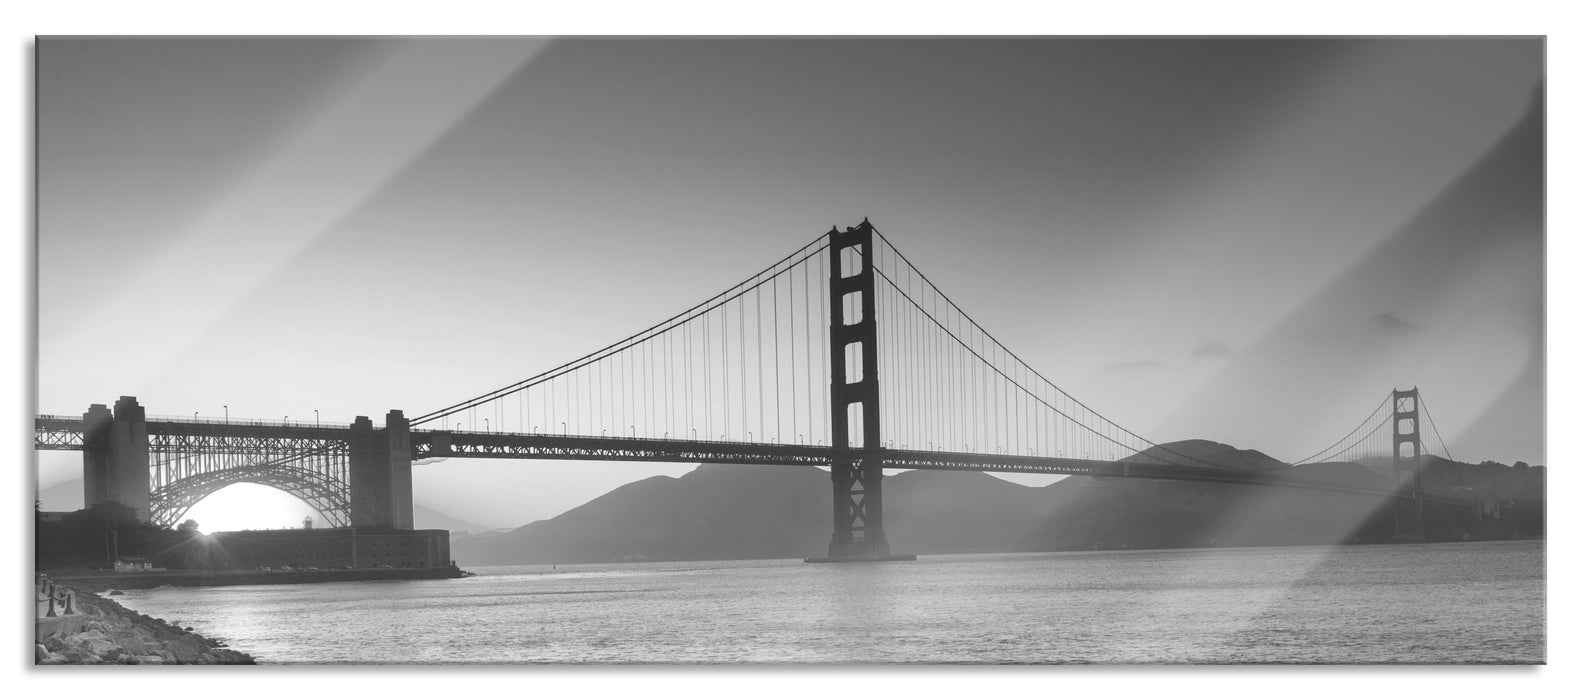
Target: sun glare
pixel 251 507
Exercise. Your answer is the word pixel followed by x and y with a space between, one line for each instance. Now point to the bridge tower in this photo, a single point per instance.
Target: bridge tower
pixel 115 456
pixel 854 397
pixel 1408 462
pixel 380 462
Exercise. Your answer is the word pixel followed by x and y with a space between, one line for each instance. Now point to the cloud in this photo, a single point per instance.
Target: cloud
pixel 1135 364
pixel 1210 347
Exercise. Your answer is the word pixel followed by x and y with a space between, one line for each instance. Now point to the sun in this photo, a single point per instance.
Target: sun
pixel 251 507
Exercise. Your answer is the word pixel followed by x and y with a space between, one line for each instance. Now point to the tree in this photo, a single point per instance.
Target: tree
pixel 188 527
pixel 108 519
pixel 108 514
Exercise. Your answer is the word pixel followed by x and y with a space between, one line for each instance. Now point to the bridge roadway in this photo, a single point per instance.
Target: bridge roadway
pixel 248 437
pixel 230 437
pixel 443 444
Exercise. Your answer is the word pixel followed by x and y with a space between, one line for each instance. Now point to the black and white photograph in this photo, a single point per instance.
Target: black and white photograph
pixel 754 350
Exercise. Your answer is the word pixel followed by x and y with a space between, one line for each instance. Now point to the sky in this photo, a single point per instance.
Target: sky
pixel 1249 241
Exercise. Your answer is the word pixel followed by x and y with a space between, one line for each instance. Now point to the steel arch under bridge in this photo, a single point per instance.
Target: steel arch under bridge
pixel 186 468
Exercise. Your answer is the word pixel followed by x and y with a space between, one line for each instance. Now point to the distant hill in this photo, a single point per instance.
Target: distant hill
pixel 1156 514
pixel 1152 514
pixel 730 511
pixel 734 511
pixel 713 512
pixel 937 512
pixel 425 518
pixel 1208 453
pixel 65 496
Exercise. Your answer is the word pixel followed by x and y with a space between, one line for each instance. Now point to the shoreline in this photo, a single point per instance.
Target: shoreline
pixel 106 580
pixel 102 631
pixel 106 632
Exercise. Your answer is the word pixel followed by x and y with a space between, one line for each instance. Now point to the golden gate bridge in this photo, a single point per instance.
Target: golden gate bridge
pixel 841 354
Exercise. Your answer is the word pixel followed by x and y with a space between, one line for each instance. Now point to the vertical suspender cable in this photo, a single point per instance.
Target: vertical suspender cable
pixel 758 316
pixel 725 371
pixel 823 343
pixel 807 343
pixel 741 349
pixel 776 283
pixel 791 328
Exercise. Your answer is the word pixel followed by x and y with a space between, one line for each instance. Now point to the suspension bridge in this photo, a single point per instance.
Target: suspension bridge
pixel 782 368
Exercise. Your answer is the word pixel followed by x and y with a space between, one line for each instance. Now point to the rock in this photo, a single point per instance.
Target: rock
pixel 114 634
pixel 185 651
pixel 227 656
pixel 79 656
pixel 116 593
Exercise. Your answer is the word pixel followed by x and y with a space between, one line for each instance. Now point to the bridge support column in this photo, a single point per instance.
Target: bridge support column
pixel 115 456
pixel 854 399
pixel 1408 465
pixel 96 455
pixel 398 455
pixel 380 462
pixel 370 480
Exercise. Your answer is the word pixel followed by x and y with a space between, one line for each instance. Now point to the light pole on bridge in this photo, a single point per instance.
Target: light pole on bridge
pixel 227 408
pixel 315 417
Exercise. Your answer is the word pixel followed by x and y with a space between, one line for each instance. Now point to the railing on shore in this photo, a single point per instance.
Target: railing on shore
pixel 47 590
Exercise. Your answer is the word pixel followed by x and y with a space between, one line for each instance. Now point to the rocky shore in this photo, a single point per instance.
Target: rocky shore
pixel 105 632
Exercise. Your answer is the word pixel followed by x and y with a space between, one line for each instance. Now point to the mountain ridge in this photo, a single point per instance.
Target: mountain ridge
pixel 740 511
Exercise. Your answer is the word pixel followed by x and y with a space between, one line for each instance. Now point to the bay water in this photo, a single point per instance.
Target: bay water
pixel 1453 603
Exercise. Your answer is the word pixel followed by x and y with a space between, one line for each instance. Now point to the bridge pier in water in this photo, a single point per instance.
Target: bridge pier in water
pixel 856 474
pixel 1408 465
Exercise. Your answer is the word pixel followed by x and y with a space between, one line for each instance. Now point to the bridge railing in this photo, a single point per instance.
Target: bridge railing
pixel 55 417
pixel 284 423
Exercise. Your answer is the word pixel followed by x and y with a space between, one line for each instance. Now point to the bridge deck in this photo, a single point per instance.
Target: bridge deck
pixel 65 433
pixel 455 444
